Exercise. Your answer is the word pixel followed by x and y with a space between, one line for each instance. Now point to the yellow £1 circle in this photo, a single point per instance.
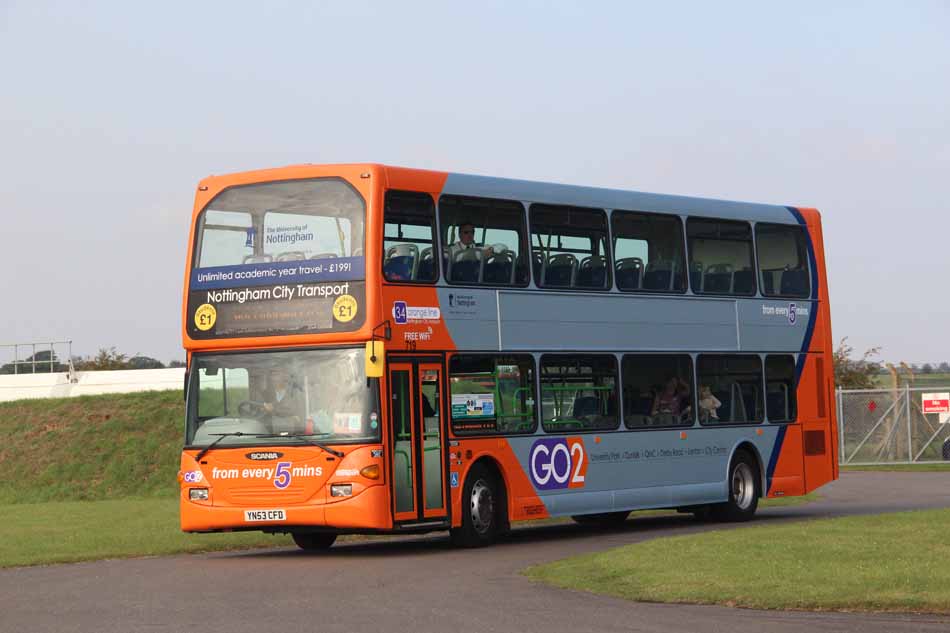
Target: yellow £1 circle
pixel 344 308
pixel 205 316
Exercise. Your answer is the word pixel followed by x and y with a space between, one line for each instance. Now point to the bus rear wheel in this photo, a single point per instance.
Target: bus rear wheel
pixel 483 510
pixel 744 490
pixel 313 541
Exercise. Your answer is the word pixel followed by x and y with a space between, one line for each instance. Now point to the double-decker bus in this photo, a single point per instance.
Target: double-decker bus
pixel 376 349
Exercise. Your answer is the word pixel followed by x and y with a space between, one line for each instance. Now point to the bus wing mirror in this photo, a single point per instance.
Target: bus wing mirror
pixel 375 355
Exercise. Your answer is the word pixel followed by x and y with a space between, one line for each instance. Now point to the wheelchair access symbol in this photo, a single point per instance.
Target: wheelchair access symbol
pixel 400 312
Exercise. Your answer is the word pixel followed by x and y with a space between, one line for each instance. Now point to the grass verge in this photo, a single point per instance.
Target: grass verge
pixel 890 562
pixel 71 531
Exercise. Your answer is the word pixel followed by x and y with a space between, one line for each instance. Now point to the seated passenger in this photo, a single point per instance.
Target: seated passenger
pixel 672 399
pixel 708 404
pixel 466 241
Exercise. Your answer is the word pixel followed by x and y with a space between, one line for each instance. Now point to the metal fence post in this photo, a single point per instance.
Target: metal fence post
pixel 840 404
pixel 910 446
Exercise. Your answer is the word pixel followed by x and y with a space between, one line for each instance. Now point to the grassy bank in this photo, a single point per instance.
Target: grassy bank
pixel 91 448
pixel 893 562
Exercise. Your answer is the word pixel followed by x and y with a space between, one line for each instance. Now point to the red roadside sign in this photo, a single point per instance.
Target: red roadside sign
pixel 935 402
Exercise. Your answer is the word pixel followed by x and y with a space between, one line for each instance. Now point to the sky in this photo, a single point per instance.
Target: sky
pixel 111 112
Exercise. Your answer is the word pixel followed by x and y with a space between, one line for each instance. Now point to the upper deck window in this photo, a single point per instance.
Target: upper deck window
pixel 483 241
pixel 277 258
pixel 648 252
pixel 783 260
pixel 409 238
pixel 720 257
pixel 281 221
pixel 569 247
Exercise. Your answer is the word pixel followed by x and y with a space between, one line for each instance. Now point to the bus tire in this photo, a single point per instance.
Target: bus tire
pixel 744 490
pixel 483 513
pixel 314 541
pixel 603 519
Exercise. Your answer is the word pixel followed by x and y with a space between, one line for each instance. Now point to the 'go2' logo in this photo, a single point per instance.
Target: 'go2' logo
pixel 558 463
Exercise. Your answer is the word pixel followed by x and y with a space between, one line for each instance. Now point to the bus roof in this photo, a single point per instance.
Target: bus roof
pixel 538 191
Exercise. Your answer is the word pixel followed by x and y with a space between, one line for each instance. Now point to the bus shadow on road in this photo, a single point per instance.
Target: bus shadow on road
pixel 554 531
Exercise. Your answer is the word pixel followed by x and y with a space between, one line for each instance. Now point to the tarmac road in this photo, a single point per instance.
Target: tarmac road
pixel 422 585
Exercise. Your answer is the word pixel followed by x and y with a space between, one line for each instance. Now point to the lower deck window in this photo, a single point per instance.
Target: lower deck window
pixel 578 392
pixel 780 388
pixel 657 390
pixel 730 389
pixel 492 394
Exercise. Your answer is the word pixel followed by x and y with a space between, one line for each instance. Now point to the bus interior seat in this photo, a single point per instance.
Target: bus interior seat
pixel 560 270
pixel 426 269
pixel 679 280
pixel 725 408
pixel 499 268
pixel 537 265
pixel 718 278
pixel 586 405
pixel 401 262
pixel 696 276
pixel 768 282
pixel 521 271
pixel 628 271
pixel 291 256
pixel 795 282
pixel 637 419
pixel 743 282
pixel 777 402
pixel 658 276
pixel 592 273
pixel 466 265
pixel 750 401
pixel 257 259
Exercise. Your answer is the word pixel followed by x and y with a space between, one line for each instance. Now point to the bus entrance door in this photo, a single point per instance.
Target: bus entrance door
pixel 417 441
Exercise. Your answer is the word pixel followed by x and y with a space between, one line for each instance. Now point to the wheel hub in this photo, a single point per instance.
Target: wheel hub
pixel 483 507
pixel 743 486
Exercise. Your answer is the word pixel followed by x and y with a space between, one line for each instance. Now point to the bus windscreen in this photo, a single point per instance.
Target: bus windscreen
pixel 278 258
pixel 281 397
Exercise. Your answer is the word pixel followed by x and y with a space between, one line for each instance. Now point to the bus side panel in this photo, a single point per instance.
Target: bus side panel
pixel 523 501
pixel 816 386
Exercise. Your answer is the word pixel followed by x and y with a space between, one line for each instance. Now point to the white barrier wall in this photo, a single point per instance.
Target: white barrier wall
pixel 89 383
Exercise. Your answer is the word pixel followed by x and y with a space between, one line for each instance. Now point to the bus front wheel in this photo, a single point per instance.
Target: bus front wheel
pixel 313 541
pixel 482 509
pixel 744 490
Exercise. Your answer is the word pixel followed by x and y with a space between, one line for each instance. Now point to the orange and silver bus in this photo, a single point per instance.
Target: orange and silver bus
pixel 375 349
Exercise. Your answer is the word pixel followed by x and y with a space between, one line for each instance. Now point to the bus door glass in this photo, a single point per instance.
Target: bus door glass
pixel 417 433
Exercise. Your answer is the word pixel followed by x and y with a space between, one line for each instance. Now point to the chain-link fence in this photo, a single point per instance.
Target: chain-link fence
pixel 880 426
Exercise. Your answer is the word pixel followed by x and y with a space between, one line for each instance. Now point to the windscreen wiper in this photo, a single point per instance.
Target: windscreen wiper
pixel 306 437
pixel 207 448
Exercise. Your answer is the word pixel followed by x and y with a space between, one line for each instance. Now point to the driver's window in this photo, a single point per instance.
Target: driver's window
pixel 222 390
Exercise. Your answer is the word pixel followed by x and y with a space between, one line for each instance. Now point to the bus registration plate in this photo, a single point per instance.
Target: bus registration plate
pixel 264 515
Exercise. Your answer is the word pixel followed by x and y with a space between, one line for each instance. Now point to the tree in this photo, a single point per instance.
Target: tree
pixel 105 359
pixel 853 373
pixel 944 367
pixel 177 363
pixel 927 369
pixel 144 362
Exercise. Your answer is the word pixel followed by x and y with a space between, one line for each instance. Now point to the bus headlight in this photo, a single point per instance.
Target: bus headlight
pixel 198 494
pixel 341 490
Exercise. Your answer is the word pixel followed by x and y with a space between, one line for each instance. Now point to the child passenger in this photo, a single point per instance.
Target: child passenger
pixel 708 404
